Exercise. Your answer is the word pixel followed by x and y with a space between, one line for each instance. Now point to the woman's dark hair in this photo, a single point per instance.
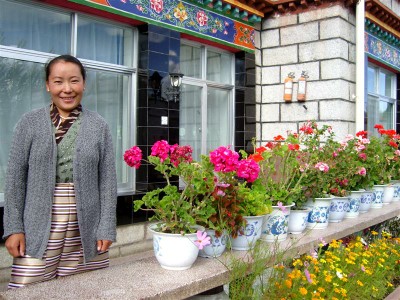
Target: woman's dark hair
pixel 65 58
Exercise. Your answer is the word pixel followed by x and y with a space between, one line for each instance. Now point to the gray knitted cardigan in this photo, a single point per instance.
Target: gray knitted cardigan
pixel 31 176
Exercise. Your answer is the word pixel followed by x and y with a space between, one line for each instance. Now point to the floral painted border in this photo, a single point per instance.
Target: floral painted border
pixel 184 17
pixel 382 51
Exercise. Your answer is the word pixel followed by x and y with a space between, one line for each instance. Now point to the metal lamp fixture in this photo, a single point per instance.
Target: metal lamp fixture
pixel 174 90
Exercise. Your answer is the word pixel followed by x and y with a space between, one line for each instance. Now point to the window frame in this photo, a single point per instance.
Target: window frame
pixel 34 56
pixel 206 84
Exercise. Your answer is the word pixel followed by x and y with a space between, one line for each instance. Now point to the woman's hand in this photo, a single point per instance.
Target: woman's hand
pixel 103 245
pixel 15 244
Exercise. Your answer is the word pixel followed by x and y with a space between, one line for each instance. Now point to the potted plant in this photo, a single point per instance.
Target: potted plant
pixel 236 180
pixel 178 211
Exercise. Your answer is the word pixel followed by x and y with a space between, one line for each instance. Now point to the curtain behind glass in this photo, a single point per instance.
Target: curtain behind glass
pixel 104 42
pixel 219 67
pixel 35 28
pixel 218 119
pixel 190 61
pixel 22 89
pixel 190 118
pixel 107 93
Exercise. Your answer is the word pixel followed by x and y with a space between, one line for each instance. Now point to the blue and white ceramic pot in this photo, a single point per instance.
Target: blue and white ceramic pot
pixel 217 246
pixel 275 224
pixel 396 194
pixel 319 215
pixel 175 251
pixel 353 210
pixel 366 201
pixel 388 194
pixel 251 234
pixel 298 220
pixel 338 209
pixel 377 199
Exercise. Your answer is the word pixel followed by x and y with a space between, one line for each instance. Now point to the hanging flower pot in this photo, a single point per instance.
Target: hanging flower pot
pixel 175 251
pixel 319 214
pixel 251 234
pixel 275 224
pixel 338 208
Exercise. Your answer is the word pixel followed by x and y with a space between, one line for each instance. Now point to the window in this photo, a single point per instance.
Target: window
pixel 206 106
pixel 380 104
pixel 30 35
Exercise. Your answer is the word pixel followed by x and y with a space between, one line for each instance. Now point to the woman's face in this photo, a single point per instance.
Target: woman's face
pixel 65 85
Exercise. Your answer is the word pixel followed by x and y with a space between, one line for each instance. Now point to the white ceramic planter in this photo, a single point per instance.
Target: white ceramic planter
pixel 298 220
pixel 217 246
pixel 338 208
pixel 378 196
pixel 275 224
pixel 319 214
pixel 388 194
pixel 252 233
pixel 366 201
pixel 396 195
pixel 175 251
pixel 353 210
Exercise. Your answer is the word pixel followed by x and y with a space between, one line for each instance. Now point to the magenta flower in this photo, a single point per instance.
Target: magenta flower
pixel 133 157
pixel 307 273
pixel 323 167
pixel 362 171
pixel 224 159
pixel 248 169
pixel 281 207
pixel 180 154
pixel 202 239
pixel 362 156
pixel 160 149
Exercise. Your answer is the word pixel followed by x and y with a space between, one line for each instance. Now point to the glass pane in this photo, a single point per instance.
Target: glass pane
pixel 190 118
pixel 218 119
pixel 219 67
pixel 34 28
pixel 108 94
pixel 104 42
pixel 371 80
pixel 372 114
pixel 190 61
pixel 22 89
pixel 386 114
pixel 385 84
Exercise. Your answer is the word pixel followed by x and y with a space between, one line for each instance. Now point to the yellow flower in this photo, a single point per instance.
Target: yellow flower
pixel 337 290
pixel 288 283
pixel 389 284
pixel 321 289
pixel 328 278
pixel 374 289
pixel 374 232
pixel 368 271
pixel 303 291
pixel 360 283
pixel 297 262
pixel 344 292
pixel 334 298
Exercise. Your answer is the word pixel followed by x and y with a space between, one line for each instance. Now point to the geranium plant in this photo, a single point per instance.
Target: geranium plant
pixel 177 210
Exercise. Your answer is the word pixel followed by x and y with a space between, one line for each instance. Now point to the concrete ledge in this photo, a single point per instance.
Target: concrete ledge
pixel 141 277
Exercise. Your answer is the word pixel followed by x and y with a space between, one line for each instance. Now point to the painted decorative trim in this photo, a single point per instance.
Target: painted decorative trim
pixel 183 17
pixel 382 51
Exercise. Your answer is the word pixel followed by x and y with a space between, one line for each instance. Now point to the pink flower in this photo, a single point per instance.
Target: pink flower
pixel 220 193
pixel 362 268
pixel 307 273
pixel 362 171
pixel 157 5
pixel 360 148
pixel 362 156
pixel 281 207
pixel 201 18
pixel 397 152
pixel 323 167
pixel 133 157
pixel 323 241
pixel 202 239
pixel 248 169
pixel 224 160
pixel 160 149
pixel 314 254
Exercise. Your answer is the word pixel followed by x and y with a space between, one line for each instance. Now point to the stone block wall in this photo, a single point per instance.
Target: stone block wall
pixel 320 41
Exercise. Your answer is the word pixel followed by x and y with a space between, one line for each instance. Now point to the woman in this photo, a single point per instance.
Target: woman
pixel 60 194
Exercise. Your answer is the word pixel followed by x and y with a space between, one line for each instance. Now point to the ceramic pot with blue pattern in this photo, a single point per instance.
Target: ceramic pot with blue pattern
pixel 338 209
pixel 251 234
pixel 366 201
pixel 217 246
pixel 275 224
pixel 396 194
pixel 318 217
pixel 353 209
pixel 377 199
pixel 388 194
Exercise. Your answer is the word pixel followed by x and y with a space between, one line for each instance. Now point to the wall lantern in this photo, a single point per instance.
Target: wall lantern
pixel 173 92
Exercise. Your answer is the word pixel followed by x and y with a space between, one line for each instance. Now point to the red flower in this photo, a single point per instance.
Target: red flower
pixel 378 126
pixel 362 134
pixel 257 157
pixel 294 147
pixel 306 129
pixel 279 138
pixel 260 149
pixel 133 157
pixel 393 144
